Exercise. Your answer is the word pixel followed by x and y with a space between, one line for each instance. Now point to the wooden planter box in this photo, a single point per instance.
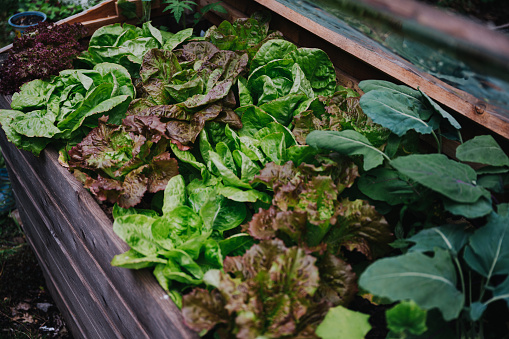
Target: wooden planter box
pixel 73 238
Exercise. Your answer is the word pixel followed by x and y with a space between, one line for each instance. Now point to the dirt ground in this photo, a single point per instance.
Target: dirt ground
pixel 26 308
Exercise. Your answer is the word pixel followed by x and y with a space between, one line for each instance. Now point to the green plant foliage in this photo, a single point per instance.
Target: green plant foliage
pixel 177 8
pixel 484 250
pixel 407 317
pixel 394 111
pixel 66 107
pixel 347 142
pixel 122 44
pixel 397 278
pixel 179 243
pixel 245 34
pixel 488 250
pixel 389 185
pixel 269 293
pixel 448 237
pixel 482 149
pixel 342 323
pixel 454 180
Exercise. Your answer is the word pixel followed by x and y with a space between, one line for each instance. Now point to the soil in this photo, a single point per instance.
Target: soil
pixel 27 20
pixel 26 308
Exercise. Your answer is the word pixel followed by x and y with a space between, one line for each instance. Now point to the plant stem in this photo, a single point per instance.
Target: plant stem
pixel 460 271
pixel 439 145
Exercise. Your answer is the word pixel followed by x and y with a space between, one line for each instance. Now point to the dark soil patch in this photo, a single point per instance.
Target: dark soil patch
pixel 27 20
pixel 26 308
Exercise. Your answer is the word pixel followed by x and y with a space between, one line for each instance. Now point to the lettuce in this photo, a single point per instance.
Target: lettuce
pixel 123 45
pixel 341 112
pixel 189 87
pixel 66 107
pixel 181 244
pixel 307 210
pixel 288 71
pixel 121 163
pixel 268 292
pixel 243 34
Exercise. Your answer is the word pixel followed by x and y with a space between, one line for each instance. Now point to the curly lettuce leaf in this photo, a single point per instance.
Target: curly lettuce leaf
pixel 121 163
pixel 281 280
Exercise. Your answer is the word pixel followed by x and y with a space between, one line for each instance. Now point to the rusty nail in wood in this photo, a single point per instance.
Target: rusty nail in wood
pixel 480 109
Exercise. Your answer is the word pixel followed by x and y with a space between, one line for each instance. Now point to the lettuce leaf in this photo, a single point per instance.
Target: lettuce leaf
pixel 266 292
pixel 122 163
pixel 67 106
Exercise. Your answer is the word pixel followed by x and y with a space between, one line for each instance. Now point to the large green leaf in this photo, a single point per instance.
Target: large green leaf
pixel 229 177
pixel 176 227
pixel 342 323
pixel 454 180
pixel 284 108
pixel 347 142
pixel 501 292
pixel 189 158
pixel 32 95
pixel 253 119
pixel 488 250
pixel 134 260
pixel 441 111
pixel 480 208
pixel 395 111
pixel 318 68
pixel 237 244
pixel 34 124
pixel 222 214
pixel 482 149
pixel 174 194
pixel 430 282
pixel 274 147
pixel 388 185
pixel 248 168
pixel 271 50
pixel 237 194
pixel 381 85
pixel 447 237
pixel 177 39
pixel 135 230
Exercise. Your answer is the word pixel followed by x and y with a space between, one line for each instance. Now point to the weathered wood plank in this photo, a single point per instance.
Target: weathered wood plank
pixel 72 286
pixel 103 10
pixel 52 285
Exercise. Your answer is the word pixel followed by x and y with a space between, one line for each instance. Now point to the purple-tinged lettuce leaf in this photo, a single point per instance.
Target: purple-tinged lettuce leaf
pixel 360 227
pixel 306 208
pixel 196 50
pixel 150 127
pixel 121 163
pixel 133 188
pixel 204 310
pixel 163 168
pixel 342 111
pixel 338 282
pixel 266 292
pixel 244 34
